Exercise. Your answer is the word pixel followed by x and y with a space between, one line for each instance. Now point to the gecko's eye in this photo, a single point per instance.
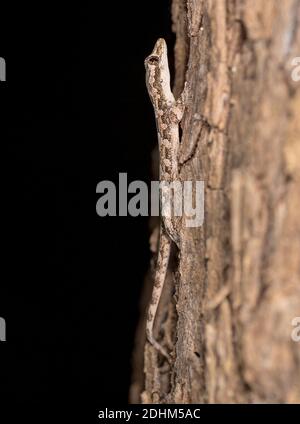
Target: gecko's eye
pixel 152 59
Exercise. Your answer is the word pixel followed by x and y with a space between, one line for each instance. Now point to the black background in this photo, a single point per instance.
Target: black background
pixel 74 111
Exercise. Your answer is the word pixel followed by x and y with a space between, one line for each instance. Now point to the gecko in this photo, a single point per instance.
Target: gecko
pixel 168 115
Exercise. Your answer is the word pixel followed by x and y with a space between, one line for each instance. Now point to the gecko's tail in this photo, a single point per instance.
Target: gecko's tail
pixel 158 347
pixel 160 276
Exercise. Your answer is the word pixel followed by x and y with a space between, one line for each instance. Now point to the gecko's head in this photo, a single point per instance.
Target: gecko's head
pixel 159 55
pixel 157 68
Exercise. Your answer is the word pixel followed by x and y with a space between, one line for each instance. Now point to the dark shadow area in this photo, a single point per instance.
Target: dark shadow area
pixel 74 111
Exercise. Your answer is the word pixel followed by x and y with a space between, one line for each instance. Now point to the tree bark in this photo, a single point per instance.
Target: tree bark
pixel 236 278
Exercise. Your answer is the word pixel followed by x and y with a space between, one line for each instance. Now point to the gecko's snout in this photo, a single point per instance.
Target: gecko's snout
pixel 160 47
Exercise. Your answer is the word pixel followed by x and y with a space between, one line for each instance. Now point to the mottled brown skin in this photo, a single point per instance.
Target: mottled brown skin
pixel 168 114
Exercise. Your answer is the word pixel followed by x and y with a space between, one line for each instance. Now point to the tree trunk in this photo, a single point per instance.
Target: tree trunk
pixel 237 278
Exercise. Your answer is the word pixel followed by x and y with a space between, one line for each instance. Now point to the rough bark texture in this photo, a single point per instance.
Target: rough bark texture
pixel 237 278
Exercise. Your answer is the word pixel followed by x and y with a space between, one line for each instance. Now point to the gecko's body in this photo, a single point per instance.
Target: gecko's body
pixel 168 114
